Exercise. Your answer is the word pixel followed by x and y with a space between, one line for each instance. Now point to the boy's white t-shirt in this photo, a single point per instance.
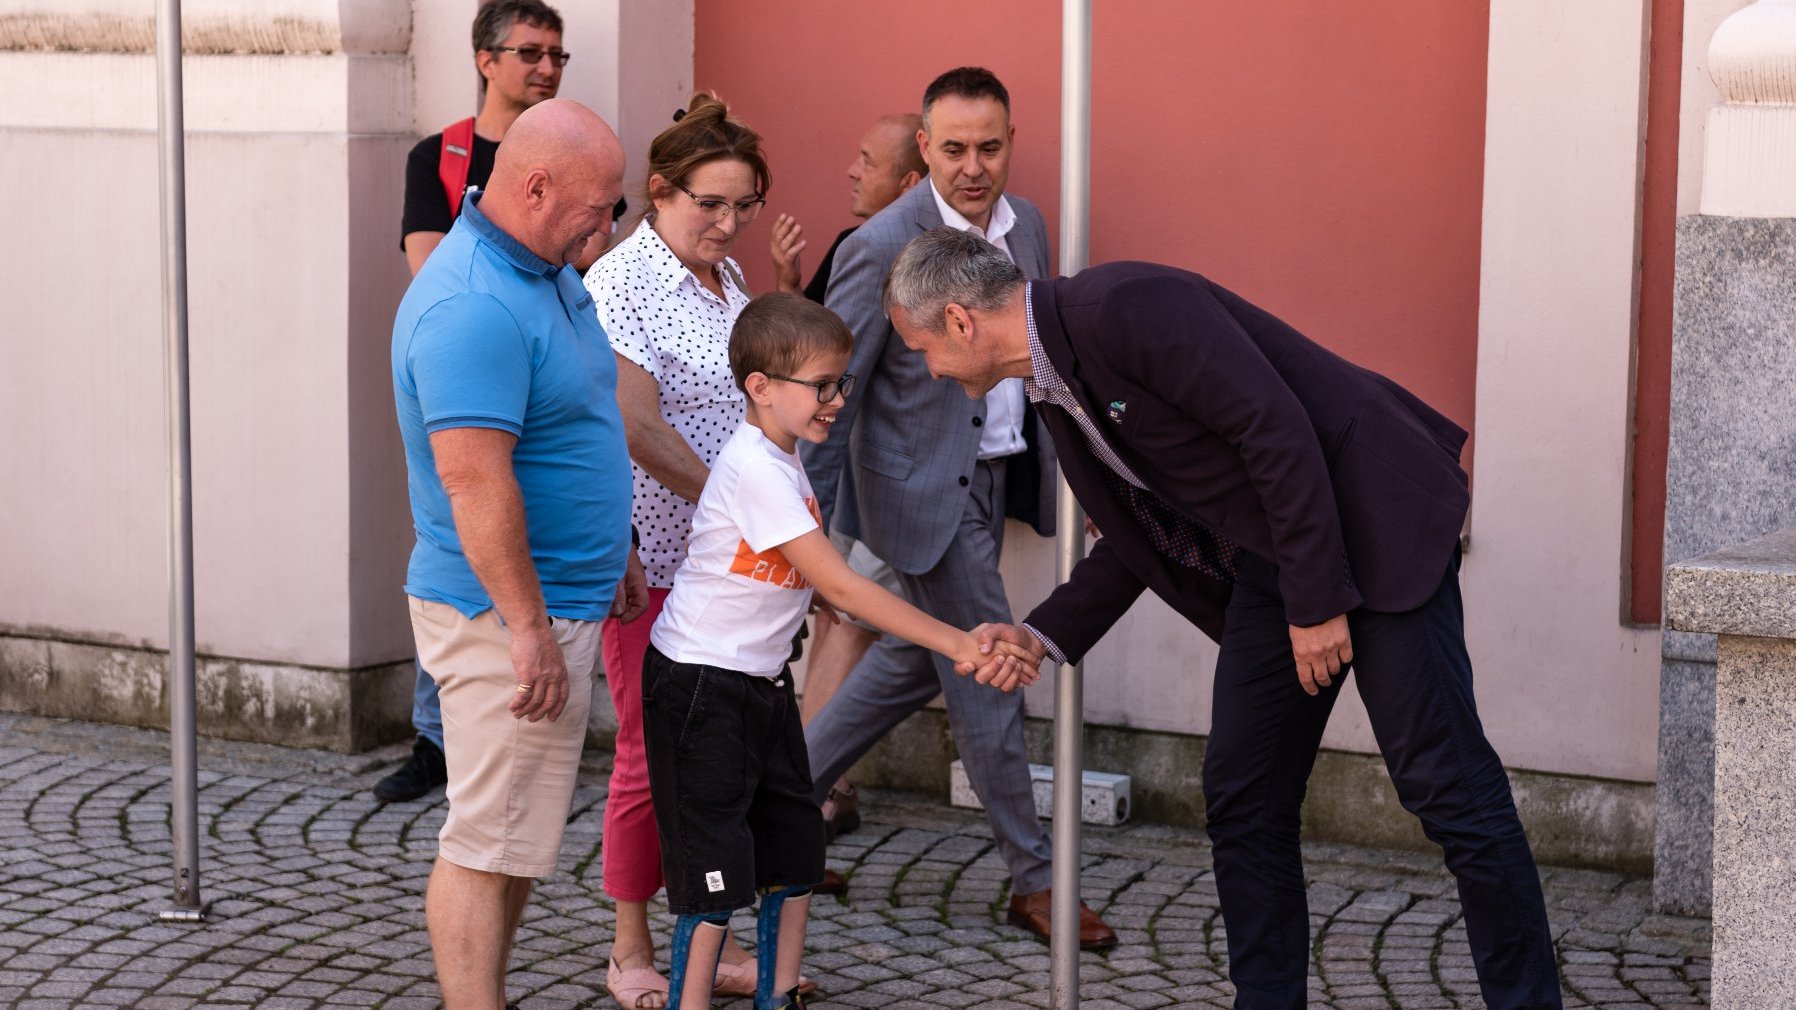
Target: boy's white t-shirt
pixel 736 601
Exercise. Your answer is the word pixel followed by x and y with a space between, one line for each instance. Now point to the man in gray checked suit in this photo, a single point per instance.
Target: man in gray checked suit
pixel 925 476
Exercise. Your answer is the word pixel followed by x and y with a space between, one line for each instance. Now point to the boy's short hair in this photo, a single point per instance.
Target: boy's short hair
pixel 778 332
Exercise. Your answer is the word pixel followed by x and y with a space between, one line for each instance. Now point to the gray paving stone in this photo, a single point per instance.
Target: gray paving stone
pixel 318 903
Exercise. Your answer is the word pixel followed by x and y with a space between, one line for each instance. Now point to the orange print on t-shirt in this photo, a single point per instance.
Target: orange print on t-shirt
pixel 770 565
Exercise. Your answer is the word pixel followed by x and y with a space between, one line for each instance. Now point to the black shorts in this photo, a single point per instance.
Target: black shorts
pixel 731 782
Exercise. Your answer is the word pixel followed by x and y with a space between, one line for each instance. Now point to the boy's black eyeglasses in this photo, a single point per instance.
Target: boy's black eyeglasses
pixel 826 388
pixel 533 55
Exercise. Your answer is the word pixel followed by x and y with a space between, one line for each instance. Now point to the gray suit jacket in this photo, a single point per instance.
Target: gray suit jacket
pixel 895 469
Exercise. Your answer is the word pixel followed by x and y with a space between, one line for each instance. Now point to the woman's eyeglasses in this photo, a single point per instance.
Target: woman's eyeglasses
pixel 715 209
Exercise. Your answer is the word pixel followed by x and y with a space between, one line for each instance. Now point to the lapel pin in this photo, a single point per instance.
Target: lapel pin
pixel 1117 407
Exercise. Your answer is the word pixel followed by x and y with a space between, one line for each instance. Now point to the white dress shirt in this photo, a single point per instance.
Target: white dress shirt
pixel 1002 434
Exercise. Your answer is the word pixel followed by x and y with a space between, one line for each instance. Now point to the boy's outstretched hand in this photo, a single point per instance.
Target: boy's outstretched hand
pixel 1011 657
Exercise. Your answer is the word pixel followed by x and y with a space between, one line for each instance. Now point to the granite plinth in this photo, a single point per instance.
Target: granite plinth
pixel 1731 460
pixel 1748 590
pixel 1731 476
pixel 1747 594
pixel 1684 799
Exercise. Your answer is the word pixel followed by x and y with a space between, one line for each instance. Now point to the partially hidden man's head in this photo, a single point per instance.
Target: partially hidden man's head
pixel 556 179
pixel 942 292
pixel 966 139
pixel 517 51
pixel 887 165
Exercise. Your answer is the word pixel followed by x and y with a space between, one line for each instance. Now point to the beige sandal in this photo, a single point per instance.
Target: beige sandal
pixel 739 980
pixel 629 987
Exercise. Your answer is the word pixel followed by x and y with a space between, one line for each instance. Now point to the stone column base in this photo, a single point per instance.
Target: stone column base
pixel 290 705
pixel 1571 820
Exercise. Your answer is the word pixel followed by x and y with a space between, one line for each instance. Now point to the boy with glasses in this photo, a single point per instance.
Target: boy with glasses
pixel 728 770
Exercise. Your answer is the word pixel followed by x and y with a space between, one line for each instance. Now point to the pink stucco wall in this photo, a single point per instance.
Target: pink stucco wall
pixel 1324 160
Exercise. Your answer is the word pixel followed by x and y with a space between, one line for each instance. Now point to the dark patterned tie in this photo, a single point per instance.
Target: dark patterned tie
pixel 1175 536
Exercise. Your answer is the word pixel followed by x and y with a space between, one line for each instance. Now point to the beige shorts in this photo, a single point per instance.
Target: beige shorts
pixel 511 781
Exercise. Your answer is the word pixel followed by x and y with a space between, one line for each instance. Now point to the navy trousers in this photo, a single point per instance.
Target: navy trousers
pixel 1415 678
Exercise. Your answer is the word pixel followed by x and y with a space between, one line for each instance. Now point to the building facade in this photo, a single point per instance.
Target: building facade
pixel 1478 199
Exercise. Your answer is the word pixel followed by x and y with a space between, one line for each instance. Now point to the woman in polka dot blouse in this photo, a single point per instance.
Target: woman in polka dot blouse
pixel 667 297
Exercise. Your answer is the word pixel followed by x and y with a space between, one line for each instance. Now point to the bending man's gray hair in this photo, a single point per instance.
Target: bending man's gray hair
pixel 942 266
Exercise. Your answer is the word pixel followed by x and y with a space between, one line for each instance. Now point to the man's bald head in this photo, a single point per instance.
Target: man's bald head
pixel 555 178
pixel 900 131
pixel 889 162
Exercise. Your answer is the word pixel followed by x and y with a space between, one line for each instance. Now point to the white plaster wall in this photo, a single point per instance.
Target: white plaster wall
pixel 632 64
pixel 208 26
pixel 293 173
pixel 654 65
pixel 1564 684
pixel 445 87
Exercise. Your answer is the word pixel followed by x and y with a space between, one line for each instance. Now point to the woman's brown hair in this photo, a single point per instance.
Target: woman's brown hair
pixel 706 133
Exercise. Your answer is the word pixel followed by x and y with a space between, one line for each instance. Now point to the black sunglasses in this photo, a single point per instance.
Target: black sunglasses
pixel 532 55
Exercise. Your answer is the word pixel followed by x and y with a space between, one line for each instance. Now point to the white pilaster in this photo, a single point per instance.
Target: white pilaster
pixel 1544 579
pixel 1749 158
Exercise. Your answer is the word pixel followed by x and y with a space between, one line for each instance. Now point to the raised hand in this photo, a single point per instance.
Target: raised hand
pixel 787 243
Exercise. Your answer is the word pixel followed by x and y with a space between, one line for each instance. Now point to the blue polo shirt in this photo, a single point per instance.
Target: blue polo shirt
pixel 490 335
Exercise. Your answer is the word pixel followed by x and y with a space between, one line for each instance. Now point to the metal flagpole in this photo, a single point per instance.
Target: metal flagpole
pixel 1069 694
pixel 184 822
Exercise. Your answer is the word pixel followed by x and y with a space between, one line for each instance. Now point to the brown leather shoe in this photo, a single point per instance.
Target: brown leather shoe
pixel 833 883
pixel 1035 913
pixel 845 813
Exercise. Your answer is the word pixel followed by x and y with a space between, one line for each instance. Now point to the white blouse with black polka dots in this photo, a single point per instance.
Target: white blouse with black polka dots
pixel 660 317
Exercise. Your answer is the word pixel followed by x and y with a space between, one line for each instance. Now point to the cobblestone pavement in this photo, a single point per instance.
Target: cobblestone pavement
pixel 317 902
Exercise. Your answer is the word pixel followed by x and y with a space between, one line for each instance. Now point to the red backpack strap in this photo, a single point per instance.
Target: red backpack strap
pixel 452 167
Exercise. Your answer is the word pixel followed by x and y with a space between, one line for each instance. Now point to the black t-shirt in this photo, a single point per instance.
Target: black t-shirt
pixel 820 280
pixel 426 205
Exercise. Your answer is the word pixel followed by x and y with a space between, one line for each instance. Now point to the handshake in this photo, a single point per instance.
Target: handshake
pixel 1004 656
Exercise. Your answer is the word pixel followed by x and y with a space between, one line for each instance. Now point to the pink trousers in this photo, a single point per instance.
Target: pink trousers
pixel 632 850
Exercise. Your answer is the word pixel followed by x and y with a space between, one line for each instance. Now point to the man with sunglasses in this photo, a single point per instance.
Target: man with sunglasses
pixel 518 54
pixel 517 51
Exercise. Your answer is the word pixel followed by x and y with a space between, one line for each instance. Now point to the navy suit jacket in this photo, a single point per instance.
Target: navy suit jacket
pixel 1346 481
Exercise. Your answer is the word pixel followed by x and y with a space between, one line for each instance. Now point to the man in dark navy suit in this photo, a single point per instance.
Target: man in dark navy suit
pixel 1302 511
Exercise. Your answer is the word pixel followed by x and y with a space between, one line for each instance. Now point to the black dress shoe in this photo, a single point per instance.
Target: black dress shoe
pixel 421 773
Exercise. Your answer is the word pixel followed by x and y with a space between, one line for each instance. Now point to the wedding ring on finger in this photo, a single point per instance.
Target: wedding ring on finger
pixel 523 688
